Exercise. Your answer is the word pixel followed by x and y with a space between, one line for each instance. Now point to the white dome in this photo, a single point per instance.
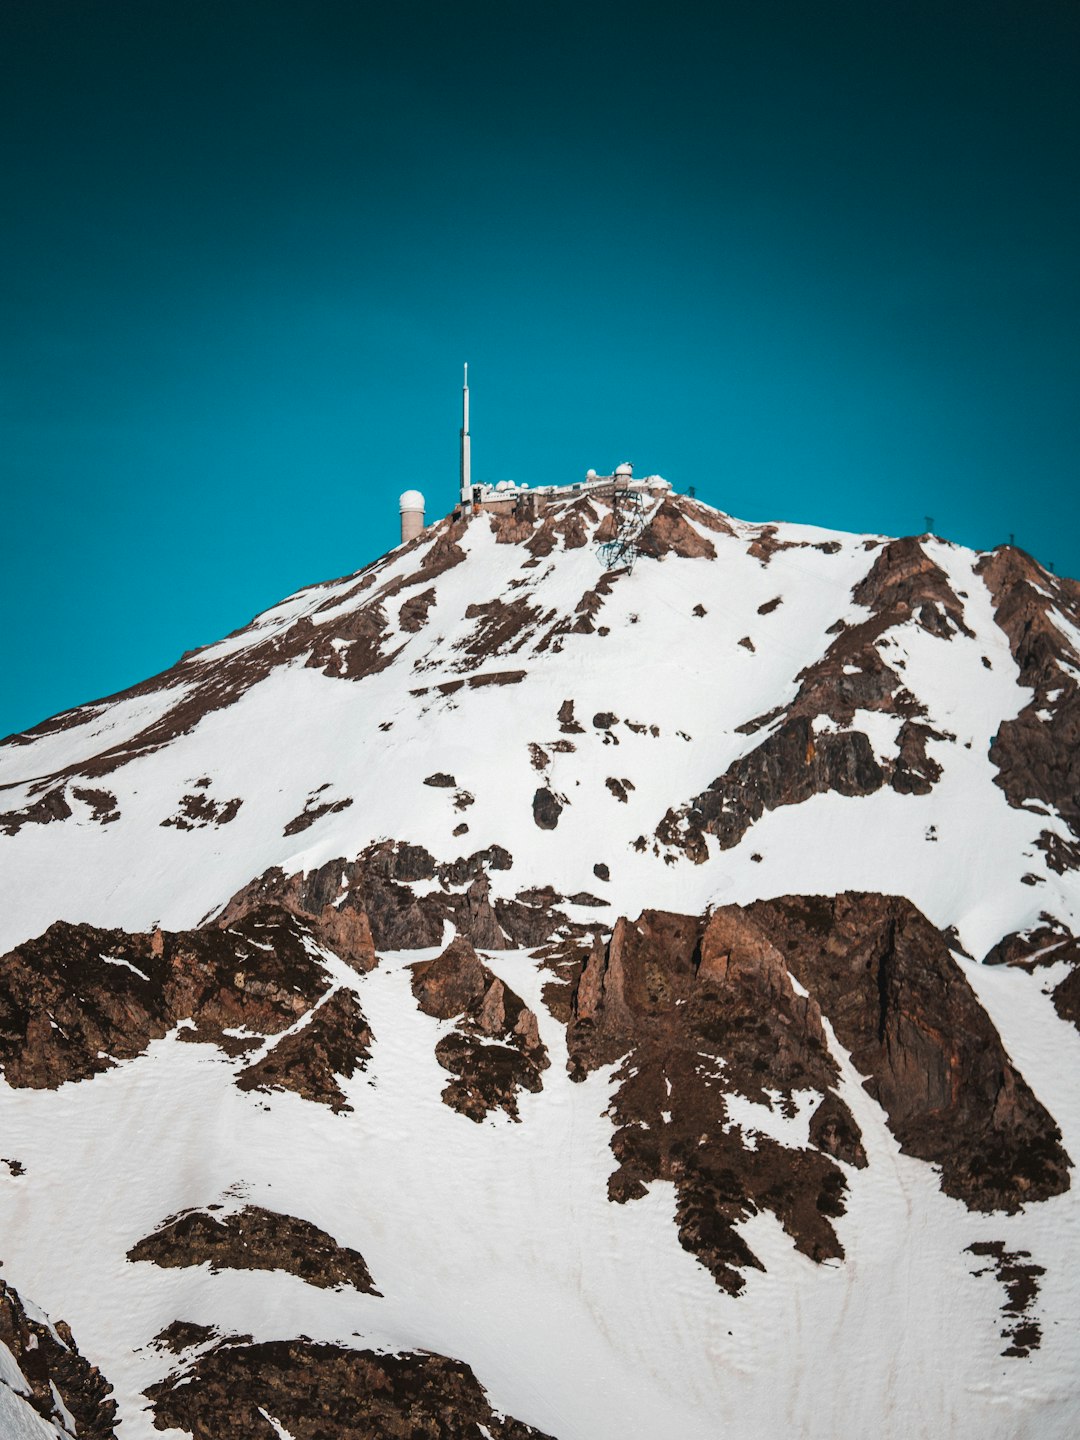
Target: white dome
pixel 590 474
pixel 625 469
pixel 411 500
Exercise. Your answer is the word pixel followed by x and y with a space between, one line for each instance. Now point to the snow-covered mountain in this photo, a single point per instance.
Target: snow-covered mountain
pixel 491 995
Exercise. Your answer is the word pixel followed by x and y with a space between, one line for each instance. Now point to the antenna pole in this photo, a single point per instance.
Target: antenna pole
pixel 466 446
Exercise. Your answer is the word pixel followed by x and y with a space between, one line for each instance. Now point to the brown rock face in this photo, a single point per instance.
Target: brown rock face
pixel 320 1391
pixel 693 1011
pixel 670 533
pixel 797 759
pixel 1019 1279
pixel 900 1005
pixel 47 1359
pixel 335 1042
pixel 255 1239
pixel 78 998
pixel 1038 753
pixel 353 906
pixel 494 1050
pixel 696 1010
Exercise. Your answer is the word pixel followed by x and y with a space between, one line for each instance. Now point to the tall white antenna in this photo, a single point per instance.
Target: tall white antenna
pixel 466 445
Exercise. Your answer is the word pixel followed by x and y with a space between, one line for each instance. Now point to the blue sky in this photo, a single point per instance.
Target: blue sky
pixel 817 260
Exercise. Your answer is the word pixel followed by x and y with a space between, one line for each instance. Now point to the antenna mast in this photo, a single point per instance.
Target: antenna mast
pixel 466 446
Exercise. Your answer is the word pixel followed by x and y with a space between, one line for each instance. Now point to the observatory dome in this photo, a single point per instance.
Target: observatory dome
pixel 411 500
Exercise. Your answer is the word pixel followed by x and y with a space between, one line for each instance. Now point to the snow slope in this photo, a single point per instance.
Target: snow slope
pixel 496 1242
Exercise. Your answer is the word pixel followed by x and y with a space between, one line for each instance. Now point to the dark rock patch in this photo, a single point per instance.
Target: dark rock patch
pixel 902 1008
pixel 798 758
pixel 670 533
pixel 255 1239
pixel 183 1335
pixel 47 1356
pixel 1037 754
pixel 79 998
pixel 200 810
pixel 43 811
pixel 546 809
pixel 335 1042
pixel 502 628
pixel 692 1010
pixel 413 613
pixel 101 802
pixel 317 1391
pixel 770 605
pixel 1020 1281
pixel 440 780
pixel 494 1050
pixel 567 724
pixel 352 906
pixel 314 809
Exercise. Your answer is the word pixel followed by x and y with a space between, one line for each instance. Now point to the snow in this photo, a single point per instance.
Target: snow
pixel 496 1243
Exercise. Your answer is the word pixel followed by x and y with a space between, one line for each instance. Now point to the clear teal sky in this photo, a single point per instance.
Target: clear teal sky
pixel 817 258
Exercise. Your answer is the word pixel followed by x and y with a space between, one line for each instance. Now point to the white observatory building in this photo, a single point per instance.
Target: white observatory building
pixel 411 505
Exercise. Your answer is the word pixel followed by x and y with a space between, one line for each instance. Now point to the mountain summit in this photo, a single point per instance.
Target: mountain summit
pixel 494 994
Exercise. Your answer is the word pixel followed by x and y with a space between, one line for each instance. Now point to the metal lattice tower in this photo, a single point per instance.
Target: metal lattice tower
pixel 628 516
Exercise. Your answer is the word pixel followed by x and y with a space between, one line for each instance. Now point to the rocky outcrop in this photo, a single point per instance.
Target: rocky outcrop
pixel 50 1375
pixel 811 746
pixel 670 533
pixel 334 1042
pixel 78 999
pixel 1037 754
pixel 494 1050
pixel 692 1011
pixel 1019 1278
pixel 899 1003
pixel 197 810
pixel 354 906
pixel 312 1392
pixel 49 806
pixel 254 1239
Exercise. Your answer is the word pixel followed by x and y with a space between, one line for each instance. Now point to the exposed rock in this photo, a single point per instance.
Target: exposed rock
pixel 494 1050
pixel 546 808
pixel 335 1042
pixel 1020 1281
pixel 53 1375
pixel 314 809
pixel 801 757
pixel 351 646
pixel 690 1011
pixel 183 1335
pixel 1037 754
pixel 43 811
pixel 199 810
pixel 669 532
pixel 78 999
pixel 567 724
pixel 901 1007
pixel 101 802
pixel 315 1392
pixel 502 628
pixel 352 906
pixel 413 613
pixel 440 780
pixel 254 1239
